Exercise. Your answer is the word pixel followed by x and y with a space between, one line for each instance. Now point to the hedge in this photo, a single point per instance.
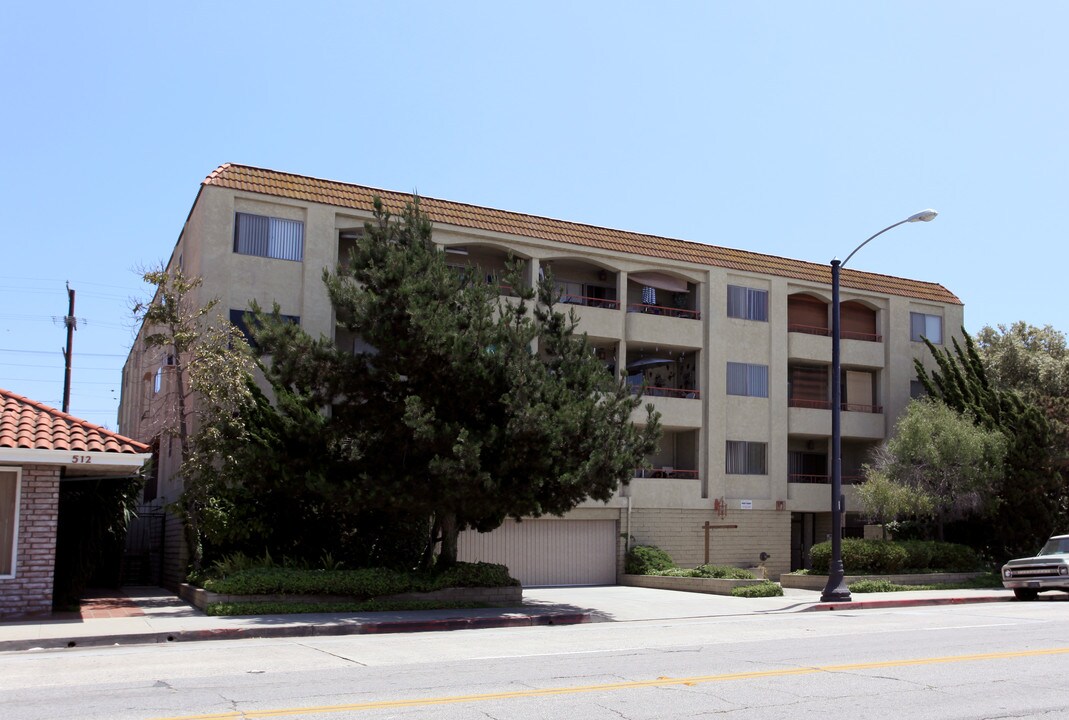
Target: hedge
pixel 886 557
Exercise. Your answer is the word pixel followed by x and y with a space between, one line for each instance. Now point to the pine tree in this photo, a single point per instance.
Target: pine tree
pixel 467 408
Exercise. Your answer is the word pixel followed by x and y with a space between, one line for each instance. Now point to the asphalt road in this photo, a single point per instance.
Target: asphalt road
pixel 987 661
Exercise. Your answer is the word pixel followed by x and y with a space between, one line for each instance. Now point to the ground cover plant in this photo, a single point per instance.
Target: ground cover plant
pixel 764 589
pixel 239 575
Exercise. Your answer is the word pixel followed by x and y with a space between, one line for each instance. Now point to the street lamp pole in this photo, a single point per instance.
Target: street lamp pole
pixel 836 589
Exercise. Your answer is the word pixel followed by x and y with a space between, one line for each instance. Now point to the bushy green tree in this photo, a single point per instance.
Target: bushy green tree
pixel 885 500
pixel 466 408
pixel 1032 496
pixel 945 458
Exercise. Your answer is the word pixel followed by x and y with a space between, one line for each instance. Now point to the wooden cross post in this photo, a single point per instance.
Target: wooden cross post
pixel 707 527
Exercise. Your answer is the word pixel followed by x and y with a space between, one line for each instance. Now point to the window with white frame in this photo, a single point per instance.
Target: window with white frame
pixel 268 237
pixel 747 379
pixel 747 303
pixel 9 520
pixel 746 458
pixel 922 325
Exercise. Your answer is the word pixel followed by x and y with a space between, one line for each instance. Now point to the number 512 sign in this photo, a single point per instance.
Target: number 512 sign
pixel 81 459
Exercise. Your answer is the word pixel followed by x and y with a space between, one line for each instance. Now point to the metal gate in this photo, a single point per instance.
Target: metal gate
pixel 142 561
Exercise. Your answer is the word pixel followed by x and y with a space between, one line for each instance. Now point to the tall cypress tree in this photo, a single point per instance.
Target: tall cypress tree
pixel 1032 499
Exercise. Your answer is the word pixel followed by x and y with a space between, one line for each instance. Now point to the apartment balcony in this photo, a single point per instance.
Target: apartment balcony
pixel 663 325
pixel 598 317
pixel 813 344
pixel 813 417
pixel 679 408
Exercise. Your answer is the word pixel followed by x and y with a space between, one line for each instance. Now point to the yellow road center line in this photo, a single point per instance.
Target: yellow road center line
pixel 630 685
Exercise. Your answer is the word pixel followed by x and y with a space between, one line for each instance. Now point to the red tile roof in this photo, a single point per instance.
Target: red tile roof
pixel 329 192
pixel 29 425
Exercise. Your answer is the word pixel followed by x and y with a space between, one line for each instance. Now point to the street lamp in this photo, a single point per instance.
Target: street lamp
pixel 836 590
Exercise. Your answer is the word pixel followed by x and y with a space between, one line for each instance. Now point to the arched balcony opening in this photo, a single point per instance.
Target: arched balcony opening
pixel 578 282
pixel 486 263
pixel 807 314
pixel 659 293
pixel 858 321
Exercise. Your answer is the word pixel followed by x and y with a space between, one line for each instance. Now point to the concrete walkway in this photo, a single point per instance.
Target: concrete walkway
pixel 152 615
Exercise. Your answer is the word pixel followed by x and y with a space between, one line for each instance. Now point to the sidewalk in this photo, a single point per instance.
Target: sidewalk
pixel 153 615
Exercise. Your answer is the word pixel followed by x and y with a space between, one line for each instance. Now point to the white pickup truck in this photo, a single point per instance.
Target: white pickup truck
pixel 1048 570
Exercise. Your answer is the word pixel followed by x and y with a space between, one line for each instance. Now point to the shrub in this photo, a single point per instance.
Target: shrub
pixel 764 589
pixel 951 557
pixel 883 557
pixel 707 571
pixel 646 560
pixel 723 571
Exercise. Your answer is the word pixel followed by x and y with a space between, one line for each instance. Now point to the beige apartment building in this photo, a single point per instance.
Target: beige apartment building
pixel 733 346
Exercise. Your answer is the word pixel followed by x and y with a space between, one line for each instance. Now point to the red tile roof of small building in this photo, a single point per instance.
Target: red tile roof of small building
pixel 329 192
pixel 29 425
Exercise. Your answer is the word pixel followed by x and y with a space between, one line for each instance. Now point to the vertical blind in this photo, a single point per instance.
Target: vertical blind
pixel 747 379
pixel 269 237
pixel 747 303
pixel 746 458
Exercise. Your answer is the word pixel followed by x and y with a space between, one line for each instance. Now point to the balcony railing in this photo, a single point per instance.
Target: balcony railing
pixel 808 329
pixel 590 302
pixel 826 332
pixel 867 337
pixel 809 404
pixel 826 405
pixel 824 479
pixel 662 310
pixel 665 472
pixel 686 393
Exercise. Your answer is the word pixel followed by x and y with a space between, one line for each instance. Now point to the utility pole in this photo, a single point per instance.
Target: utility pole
pixel 72 324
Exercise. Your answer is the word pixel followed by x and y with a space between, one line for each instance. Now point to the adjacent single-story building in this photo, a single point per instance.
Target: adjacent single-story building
pixel 41 447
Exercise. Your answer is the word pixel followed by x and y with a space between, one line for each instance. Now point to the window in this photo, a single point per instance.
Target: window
pixel 157 380
pixel 747 303
pixel 9 520
pixel 925 326
pixel 746 458
pixel 917 389
pixel 237 317
pixel 748 380
pixel 269 237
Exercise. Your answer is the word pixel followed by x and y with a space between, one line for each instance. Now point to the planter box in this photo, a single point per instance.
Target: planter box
pixel 497 596
pixel 710 586
pixel 817 582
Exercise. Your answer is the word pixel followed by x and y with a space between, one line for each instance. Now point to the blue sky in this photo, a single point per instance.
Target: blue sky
pixel 797 129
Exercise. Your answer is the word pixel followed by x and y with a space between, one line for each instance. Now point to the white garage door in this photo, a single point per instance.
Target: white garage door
pixel 548 552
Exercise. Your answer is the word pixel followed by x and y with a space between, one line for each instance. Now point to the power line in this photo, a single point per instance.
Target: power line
pixel 52 352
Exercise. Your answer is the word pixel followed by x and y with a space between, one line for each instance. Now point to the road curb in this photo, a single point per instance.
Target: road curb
pixel 310 630
pixel 911 602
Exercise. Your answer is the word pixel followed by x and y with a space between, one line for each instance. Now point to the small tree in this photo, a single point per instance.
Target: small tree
pixel 885 500
pixel 212 361
pixel 465 408
pixel 943 455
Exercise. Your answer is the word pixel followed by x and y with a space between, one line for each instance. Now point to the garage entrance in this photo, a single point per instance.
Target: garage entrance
pixel 548 552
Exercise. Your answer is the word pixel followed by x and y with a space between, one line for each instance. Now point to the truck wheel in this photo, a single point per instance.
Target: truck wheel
pixel 1025 593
